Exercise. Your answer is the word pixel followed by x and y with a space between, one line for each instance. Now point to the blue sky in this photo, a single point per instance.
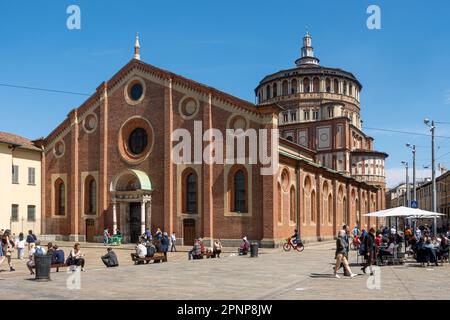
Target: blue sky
pixel 232 45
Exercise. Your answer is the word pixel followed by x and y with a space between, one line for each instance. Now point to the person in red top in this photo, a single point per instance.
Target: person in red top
pixel 202 245
pixel 378 239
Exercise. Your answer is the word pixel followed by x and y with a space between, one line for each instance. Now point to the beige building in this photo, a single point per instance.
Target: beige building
pixel 20 191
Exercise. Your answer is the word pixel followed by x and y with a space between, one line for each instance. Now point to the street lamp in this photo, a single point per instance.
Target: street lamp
pixel 432 127
pixel 413 147
pixel 405 163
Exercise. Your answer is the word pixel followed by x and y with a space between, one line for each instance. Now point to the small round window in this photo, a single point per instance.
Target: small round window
pixel 138 141
pixel 136 91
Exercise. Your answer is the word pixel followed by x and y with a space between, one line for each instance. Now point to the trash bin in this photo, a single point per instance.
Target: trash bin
pixel 254 250
pixel 42 264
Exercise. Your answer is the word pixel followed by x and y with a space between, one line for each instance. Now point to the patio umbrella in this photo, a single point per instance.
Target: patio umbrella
pixel 404 212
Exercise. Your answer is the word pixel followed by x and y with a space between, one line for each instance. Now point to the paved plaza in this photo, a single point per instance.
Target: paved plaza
pixel 273 275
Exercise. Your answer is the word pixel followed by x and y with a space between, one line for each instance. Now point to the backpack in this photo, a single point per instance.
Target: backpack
pixel 38 251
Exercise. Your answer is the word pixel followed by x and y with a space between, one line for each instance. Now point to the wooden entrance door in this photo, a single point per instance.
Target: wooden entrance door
pixel 135 222
pixel 188 232
pixel 90 230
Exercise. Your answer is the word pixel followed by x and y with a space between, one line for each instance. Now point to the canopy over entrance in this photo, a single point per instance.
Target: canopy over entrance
pixel 131 180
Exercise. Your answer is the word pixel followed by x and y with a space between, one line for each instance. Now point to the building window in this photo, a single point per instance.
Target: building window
pixel 238 184
pixel 274 90
pixel 280 204
pixel 138 141
pixel 306 115
pixel 31 213
pixel 330 112
pixel 313 206
pixel 15 174
pixel 191 193
pixel 14 213
pixel 285 117
pixel 31 176
pixel 60 198
pixel 306 85
pixel 284 88
pixel 90 195
pixel 294 86
pixel 294 116
pixel 315 115
pixel 293 207
pixel 268 92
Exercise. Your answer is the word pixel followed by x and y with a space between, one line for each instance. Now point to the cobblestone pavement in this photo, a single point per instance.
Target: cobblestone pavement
pixel 273 275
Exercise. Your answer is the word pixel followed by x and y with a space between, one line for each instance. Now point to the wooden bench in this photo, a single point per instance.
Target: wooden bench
pixel 56 266
pixel 159 256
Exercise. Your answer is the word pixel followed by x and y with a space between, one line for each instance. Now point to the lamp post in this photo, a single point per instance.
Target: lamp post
pixel 432 127
pixel 407 202
pixel 413 147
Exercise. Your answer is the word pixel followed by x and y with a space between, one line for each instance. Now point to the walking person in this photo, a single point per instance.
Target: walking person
pixel 31 240
pixel 369 250
pixel 106 237
pixel 20 246
pixel 173 238
pixel 8 248
pixel 165 243
pixel 217 248
pixel 341 251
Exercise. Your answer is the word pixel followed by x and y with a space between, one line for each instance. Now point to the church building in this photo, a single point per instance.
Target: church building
pixel 109 164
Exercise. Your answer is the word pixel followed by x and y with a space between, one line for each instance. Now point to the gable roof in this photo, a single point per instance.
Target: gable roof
pixel 166 75
pixel 17 141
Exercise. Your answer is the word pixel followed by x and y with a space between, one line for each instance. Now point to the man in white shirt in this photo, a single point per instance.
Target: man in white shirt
pixel 141 250
pixel 174 240
pixel 36 250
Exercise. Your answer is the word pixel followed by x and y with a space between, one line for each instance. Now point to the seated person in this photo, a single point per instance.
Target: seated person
pixel 76 257
pixel 151 249
pixel 388 251
pixel 444 248
pixel 429 252
pixel 197 250
pixel 36 250
pixel 245 247
pixel 57 255
pixel 49 248
pixel 295 238
pixel 217 249
pixel 110 259
pixel 202 246
pixel 141 250
pixel 158 245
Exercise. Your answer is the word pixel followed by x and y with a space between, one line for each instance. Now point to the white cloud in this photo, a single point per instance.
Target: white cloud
pixel 395 176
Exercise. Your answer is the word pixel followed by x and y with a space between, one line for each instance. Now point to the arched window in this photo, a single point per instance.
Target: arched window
pixel 268 92
pixel 90 195
pixel 330 208
pixel 189 191
pixel 345 217
pixel 325 205
pixel 280 204
pixel 294 86
pixel 345 88
pixel 60 198
pixel 336 86
pixel 274 89
pixel 238 183
pixel 313 206
pixel 328 85
pixel 316 84
pixel 284 88
pixel 293 207
pixel 306 85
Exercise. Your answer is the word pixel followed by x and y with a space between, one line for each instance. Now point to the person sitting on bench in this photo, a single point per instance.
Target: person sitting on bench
pixel 57 255
pixel 245 247
pixel 151 249
pixel 76 257
pixel 36 250
pixel 196 252
pixel 110 259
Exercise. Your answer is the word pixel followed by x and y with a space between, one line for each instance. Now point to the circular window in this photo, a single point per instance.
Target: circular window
pixel 59 149
pixel 90 123
pixel 136 91
pixel 237 123
pixel 135 140
pixel 188 108
pixel 138 141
